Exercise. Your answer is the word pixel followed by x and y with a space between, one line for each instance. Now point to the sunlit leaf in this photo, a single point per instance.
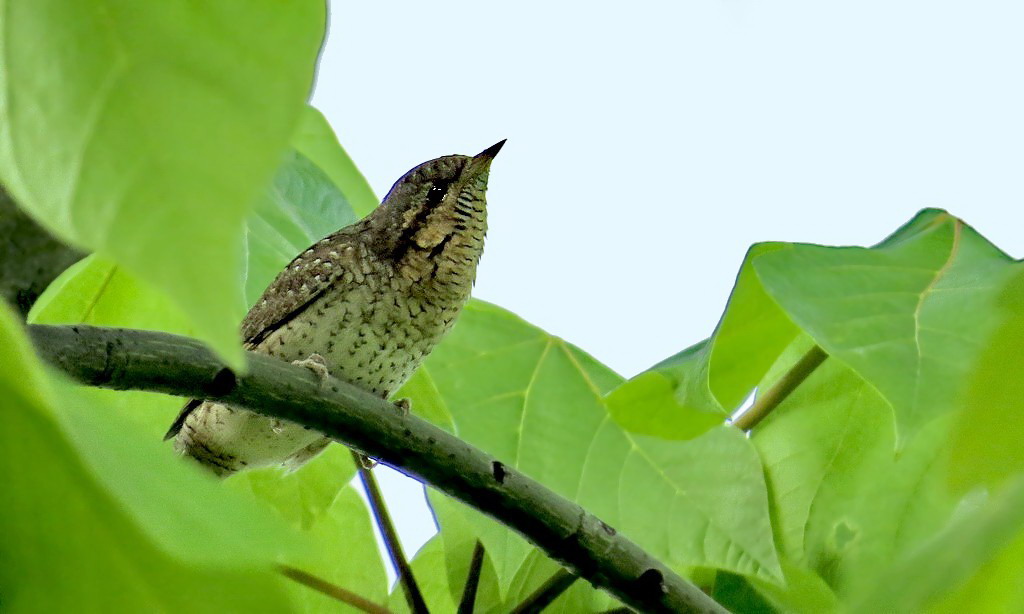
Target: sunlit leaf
pixel 146 134
pixel 301 207
pixel 985 446
pixel 545 415
pixel 984 538
pixel 909 315
pixel 844 501
pixel 316 140
pixel 85 525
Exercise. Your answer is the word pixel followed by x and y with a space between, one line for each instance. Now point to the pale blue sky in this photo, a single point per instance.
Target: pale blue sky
pixel 651 144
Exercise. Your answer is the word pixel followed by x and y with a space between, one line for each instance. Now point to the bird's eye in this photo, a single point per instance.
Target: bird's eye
pixel 435 194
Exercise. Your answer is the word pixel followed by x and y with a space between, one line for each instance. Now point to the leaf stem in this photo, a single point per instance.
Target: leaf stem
pixel 332 590
pixel 783 388
pixel 546 593
pixel 387 529
pixel 468 602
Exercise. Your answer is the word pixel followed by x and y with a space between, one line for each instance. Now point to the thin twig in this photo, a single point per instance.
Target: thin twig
pixel 332 590
pixel 387 529
pixel 476 565
pixel 548 592
pixel 123 359
pixel 782 389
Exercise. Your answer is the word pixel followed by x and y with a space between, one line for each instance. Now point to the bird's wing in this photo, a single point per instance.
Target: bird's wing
pixel 305 278
pixel 290 293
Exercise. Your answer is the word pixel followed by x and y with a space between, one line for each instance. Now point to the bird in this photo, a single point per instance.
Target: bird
pixel 367 304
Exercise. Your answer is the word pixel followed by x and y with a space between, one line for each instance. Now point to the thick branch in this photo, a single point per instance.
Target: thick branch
pixel 142 360
pixel 30 258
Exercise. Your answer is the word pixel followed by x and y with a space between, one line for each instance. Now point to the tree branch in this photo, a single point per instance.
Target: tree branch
pixel 782 389
pixel 143 360
pixel 31 258
pixel 413 596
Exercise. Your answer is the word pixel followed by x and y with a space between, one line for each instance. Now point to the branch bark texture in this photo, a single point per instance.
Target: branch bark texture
pixel 124 359
pixel 30 257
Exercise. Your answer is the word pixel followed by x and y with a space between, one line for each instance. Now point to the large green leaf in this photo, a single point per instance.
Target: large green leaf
pixel 671 400
pixel 315 140
pixel 909 315
pixel 938 575
pixel 344 553
pixel 695 390
pixel 442 565
pixel 985 446
pixel 452 550
pixel 844 502
pixel 320 503
pixel 301 207
pixel 145 133
pixel 96 291
pixel 536 403
pixel 86 526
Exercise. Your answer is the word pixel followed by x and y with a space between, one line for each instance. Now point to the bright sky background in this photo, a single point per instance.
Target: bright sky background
pixel 650 144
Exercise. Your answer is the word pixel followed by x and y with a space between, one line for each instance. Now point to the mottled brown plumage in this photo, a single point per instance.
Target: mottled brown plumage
pixel 372 299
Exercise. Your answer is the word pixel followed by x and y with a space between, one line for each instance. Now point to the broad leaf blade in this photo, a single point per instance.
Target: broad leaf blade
pixel 985 445
pixel 909 316
pixel 537 403
pixel 85 526
pixel 316 140
pixel 145 134
pixel 985 537
pixel 844 501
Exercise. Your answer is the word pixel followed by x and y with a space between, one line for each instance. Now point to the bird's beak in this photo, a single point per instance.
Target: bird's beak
pixel 489 153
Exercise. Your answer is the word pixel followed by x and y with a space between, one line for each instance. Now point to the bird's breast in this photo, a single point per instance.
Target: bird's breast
pixel 372 335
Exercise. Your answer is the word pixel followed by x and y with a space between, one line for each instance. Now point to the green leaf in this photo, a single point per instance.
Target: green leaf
pixel 752 333
pixel 301 207
pixel 695 390
pixel 86 527
pixel 909 315
pixel 428 567
pixel 145 135
pixel 96 291
pixel 448 556
pixel 985 445
pixel 536 403
pixel 804 592
pixel 844 502
pixel 301 498
pixel 456 542
pixel 344 553
pixel 317 141
pixel 993 588
pixel 671 400
pixel 982 539
pixel 538 569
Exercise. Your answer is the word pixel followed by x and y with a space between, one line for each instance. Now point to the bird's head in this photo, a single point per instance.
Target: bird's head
pixel 434 218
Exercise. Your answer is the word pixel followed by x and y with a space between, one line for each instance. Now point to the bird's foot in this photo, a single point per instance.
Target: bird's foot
pixel 366 462
pixel 318 365
pixel 404 406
